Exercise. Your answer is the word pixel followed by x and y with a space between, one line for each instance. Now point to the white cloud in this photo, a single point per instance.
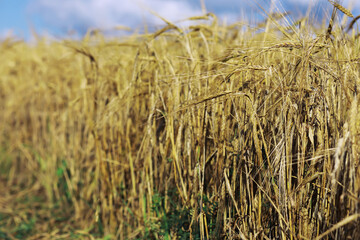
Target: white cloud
pixel 83 14
pixel 80 15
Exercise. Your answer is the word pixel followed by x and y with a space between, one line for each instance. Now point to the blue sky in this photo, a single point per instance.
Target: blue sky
pixel 59 18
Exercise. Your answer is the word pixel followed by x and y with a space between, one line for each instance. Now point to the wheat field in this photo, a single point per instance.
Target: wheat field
pixel 211 131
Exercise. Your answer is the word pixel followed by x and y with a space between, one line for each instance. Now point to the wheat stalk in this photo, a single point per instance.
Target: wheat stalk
pixel 351 25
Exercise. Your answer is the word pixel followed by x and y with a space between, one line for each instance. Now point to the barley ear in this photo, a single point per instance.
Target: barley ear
pixel 344 10
pixel 354 124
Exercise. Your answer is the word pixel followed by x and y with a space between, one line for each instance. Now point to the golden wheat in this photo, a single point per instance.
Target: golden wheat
pixel 205 132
